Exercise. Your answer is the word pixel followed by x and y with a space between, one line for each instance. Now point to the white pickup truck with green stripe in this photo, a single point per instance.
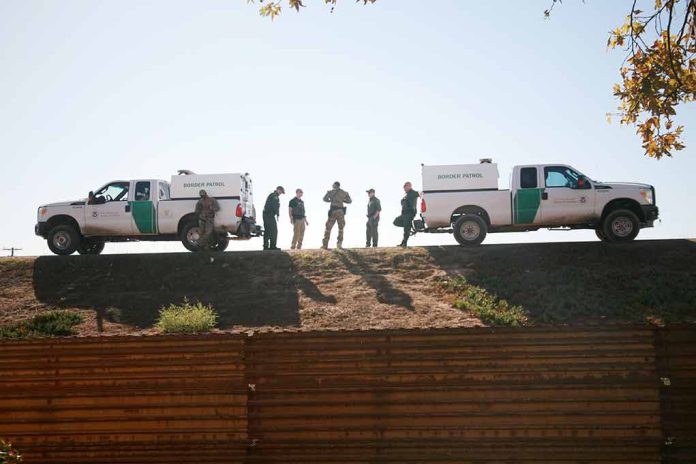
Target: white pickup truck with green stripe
pixel 465 200
pixel 149 210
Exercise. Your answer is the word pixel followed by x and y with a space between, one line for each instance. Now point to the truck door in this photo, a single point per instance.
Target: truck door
pixel 527 196
pixel 109 213
pixel 568 197
pixel 144 215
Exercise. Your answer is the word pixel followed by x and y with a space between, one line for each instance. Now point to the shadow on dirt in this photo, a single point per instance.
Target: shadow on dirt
pixel 355 263
pixel 584 282
pixel 245 288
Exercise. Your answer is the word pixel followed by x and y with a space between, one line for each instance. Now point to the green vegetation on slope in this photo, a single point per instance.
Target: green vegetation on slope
pixel 49 324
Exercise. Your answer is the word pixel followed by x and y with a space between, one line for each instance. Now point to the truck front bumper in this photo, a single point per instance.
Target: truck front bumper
pixel 650 213
pixel 41 229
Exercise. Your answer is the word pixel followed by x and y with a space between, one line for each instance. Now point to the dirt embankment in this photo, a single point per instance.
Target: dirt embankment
pixel 650 281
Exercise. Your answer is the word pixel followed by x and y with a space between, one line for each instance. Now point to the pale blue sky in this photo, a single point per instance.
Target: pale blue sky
pixel 92 91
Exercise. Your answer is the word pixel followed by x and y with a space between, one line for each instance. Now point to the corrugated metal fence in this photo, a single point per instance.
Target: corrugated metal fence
pixel 456 395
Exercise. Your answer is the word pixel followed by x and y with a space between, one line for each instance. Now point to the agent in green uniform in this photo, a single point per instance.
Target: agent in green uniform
pixel 408 211
pixel 374 208
pixel 206 207
pixel 271 211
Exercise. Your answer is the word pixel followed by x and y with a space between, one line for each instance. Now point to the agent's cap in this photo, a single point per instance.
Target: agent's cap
pixel 280 188
pixel 203 193
pixel 371 191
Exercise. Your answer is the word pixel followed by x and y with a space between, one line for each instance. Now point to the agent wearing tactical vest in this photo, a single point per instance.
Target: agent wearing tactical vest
pixel 298 219
pixel 337 213
pixel 206 207
pixel 271 211
pixel 408 211
pixel 374 208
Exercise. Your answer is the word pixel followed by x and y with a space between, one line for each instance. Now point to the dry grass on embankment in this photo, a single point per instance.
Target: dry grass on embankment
pixel 524 284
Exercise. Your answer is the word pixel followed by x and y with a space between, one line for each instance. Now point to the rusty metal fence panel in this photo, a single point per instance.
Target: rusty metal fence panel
pixel 455 395
pixel 125 399
pixel 485 395
pixel 676 351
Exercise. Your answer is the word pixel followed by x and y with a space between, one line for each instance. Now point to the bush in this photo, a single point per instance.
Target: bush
pixel 488 308
pixel 187 318
pixel 8 455
pixel 49 324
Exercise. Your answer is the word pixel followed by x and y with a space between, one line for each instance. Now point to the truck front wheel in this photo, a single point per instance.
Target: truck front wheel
pixel 63 240
pixel 470 230
pixel 621 225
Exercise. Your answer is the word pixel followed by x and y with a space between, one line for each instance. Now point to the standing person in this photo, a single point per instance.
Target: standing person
pixel 408 211
pixel 374 208
pixel 206 207
pixel 271 210
pixel 298 219
pixel 337 213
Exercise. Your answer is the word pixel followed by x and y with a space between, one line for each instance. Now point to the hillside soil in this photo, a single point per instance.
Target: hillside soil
pixel 651 282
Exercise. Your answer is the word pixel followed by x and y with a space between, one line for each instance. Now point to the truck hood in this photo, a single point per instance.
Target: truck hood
pixel 65 203
pixel 623 185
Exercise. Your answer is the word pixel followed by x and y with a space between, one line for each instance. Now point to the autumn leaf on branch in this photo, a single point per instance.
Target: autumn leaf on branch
pixel 659 72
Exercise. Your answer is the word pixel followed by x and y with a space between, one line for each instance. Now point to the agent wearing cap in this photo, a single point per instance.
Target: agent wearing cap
pixel 408 211
pixel 337 213
pixel 374 208
pixel 206 207
pixel 271 211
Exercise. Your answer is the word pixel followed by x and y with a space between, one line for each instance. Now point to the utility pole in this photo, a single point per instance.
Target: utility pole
pixel 12 250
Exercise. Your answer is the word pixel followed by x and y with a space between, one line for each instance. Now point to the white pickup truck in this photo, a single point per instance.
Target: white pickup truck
pixel 149 209
pixel 465 200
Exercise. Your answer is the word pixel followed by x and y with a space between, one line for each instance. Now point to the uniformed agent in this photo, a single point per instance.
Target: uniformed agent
pixel 298 219
pixel 337 213
pixel 408 211
pixel 374 208
pixel 206 207
pixel 271 211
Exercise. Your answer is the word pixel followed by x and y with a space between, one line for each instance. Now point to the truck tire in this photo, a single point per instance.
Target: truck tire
pixel 600 234
pixel 621 225
pixel 190 234
pixel 90 247
pixel 63 240
pixel 470 230
pixel 222 244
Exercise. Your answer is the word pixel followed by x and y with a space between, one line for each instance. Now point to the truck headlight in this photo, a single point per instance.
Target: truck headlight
pixel 42 211
pixel 647 195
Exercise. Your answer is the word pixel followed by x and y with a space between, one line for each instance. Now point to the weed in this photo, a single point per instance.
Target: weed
pixel 49 324
pixel 488 308
pixel 187 317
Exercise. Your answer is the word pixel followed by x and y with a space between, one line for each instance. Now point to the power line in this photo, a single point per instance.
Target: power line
pixel 12 250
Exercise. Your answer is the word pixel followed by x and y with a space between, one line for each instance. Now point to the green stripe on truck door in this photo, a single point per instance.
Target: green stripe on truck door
pixel 144 216
pixel 526 205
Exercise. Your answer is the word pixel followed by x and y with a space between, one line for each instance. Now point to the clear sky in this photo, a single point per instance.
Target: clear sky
pixel 92 91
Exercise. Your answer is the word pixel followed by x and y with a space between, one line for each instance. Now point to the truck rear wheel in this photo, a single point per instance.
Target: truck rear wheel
pixel 621 225
pixel 470 230
pixel 90 247
pixel 191 236
pixel 63 240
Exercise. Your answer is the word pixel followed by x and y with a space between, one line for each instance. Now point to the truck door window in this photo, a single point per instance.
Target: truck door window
pixel 142 191
pixel 561 176
pixel 116 191
pixel 528 178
